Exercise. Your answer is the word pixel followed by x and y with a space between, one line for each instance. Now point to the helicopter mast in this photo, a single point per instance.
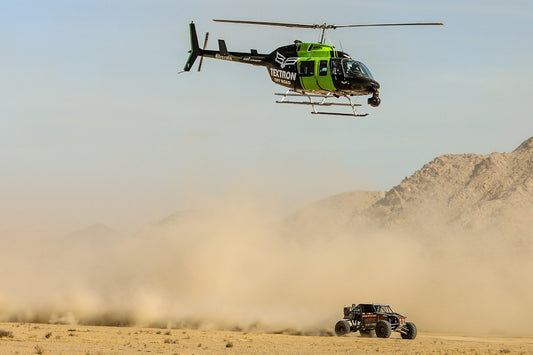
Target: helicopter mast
pixel 323 35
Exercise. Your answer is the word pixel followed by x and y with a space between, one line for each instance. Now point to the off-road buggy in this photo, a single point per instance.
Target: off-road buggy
pixel 370 318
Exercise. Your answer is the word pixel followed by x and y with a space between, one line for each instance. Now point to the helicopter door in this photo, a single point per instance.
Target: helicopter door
pixel 336 69
pixel 324 76
pixel 306 69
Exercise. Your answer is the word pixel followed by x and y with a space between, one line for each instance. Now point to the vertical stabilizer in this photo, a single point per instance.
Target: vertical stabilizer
pixel 195 48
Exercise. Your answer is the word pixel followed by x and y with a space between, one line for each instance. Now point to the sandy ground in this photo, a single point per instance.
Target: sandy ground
pixel 31 338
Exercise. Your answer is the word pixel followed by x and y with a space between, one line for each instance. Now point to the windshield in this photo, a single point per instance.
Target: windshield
pixel 354 68
pixel 383 309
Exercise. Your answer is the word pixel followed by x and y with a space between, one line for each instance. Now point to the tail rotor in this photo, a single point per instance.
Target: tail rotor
pixel 203 49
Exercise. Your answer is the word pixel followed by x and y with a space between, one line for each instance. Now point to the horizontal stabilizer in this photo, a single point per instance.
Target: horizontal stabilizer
pixel 222 47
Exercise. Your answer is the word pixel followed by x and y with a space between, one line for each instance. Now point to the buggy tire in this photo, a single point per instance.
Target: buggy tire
pixel 409 331
pixel 367 333
pixel 342 328
pixel 383 329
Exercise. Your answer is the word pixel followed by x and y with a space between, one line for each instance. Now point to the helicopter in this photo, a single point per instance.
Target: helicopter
pixel 317 72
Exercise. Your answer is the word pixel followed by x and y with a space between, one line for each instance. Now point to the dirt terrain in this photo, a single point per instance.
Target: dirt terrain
pixel 30 338
pixel 451 247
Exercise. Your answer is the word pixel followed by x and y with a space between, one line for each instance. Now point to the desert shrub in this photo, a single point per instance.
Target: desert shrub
pixel 6 334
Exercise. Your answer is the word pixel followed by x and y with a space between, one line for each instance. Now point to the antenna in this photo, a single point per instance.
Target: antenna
pixel 334 48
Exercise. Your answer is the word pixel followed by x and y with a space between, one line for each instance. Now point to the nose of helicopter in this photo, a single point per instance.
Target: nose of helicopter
pixel 365 84
pixel 374 85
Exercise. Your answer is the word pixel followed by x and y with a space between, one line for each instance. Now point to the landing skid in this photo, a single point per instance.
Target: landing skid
pixel 321 101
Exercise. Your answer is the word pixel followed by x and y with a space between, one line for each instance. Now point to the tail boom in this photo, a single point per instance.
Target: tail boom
pixel 252 57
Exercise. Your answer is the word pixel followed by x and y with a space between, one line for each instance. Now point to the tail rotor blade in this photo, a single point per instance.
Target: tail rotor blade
pixel 203 49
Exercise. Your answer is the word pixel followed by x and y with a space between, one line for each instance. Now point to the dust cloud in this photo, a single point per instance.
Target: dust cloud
pixel 234 267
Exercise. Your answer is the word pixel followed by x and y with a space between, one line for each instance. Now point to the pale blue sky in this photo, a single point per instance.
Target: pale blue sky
pixel 96 126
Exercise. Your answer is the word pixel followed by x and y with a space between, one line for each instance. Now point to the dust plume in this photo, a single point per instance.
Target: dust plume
pixel 234 266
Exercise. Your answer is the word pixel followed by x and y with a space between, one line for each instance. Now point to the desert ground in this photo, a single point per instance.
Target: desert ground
pixel 450 247
pixel 33 338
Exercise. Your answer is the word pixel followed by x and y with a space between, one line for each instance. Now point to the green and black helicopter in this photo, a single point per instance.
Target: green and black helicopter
pixel 316 71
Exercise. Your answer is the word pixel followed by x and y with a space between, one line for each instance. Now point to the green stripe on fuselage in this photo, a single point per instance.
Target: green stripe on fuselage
pixel 315 52
pixel 325 82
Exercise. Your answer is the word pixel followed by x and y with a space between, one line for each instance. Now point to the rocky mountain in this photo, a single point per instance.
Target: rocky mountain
pixel 465 191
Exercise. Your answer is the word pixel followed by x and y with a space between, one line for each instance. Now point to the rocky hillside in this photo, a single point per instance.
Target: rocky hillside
pixel 466 191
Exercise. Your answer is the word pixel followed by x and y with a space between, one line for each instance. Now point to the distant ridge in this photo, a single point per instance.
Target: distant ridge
pixel 467 191
pixel 462 188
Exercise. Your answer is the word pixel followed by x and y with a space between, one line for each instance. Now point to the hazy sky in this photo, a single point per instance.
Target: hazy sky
pixel 96 125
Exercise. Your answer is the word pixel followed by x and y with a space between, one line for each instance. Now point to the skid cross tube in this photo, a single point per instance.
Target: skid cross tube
pixel 321 102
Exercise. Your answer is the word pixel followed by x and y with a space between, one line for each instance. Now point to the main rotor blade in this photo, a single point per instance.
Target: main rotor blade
pixel 392 24
pixel 270 23
pixel 327 26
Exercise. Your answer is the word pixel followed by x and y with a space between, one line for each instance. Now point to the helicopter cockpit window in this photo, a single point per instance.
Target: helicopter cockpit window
pixel 335 67
pixel 354 68
pixel 307 68
pixel 323 68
